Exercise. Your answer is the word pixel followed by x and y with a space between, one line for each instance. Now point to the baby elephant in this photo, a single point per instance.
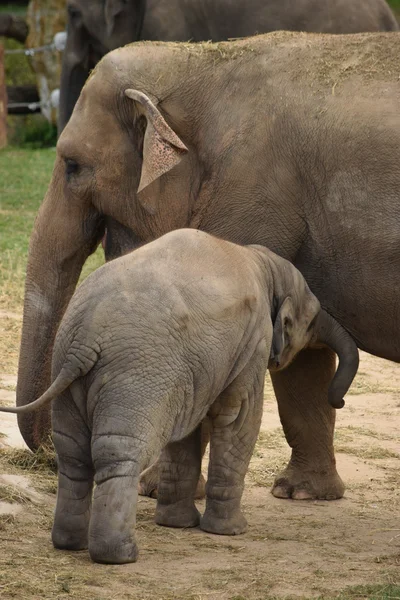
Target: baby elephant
pixel 152 343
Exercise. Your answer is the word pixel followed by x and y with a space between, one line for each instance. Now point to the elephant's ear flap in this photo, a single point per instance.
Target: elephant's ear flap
pixel 162 148
pixel 282 333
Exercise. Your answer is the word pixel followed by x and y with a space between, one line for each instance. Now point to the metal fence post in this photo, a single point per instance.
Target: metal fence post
pixel 3 102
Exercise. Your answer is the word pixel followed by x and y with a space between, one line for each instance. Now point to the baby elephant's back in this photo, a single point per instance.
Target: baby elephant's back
pixel 185 294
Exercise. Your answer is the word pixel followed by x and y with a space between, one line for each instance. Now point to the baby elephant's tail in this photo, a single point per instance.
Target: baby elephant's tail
pixel 63 380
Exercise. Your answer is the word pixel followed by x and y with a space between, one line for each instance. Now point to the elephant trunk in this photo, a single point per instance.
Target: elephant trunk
pixel 331 334
pixel 63 237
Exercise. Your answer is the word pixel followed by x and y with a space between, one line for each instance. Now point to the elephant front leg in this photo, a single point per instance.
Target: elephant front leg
pixel 148 483
pixel 308 421
pixel 234 433
pixel 180 465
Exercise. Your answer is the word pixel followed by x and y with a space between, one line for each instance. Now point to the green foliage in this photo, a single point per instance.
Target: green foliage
pixel 32 131
pixel 29 131
pixel 15 9
pixel 17 66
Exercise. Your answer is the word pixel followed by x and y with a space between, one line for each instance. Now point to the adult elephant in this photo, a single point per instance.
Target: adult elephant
pixel 259 141
pixel 98 26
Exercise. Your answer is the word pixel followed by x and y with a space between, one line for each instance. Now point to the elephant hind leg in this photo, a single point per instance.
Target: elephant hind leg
pixel 124 440
pixel 112 527
pixel 234 428
pixel 308 421
pixel 75 476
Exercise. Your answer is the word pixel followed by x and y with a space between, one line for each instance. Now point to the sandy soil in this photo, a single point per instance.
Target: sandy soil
pixel 301 549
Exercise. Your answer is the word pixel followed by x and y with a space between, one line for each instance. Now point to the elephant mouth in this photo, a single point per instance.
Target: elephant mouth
pixel 118 239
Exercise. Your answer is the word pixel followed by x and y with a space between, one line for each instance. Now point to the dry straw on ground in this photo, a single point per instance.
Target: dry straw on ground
pixel 292 549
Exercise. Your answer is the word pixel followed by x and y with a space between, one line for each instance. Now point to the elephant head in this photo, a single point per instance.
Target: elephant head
pixel 300 322
pixel 323 330
pixel 94 28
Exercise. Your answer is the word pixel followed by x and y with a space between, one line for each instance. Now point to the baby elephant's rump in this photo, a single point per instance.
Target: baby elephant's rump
pixel 152 343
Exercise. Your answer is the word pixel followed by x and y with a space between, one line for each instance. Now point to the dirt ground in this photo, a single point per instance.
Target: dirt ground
pixel 299 549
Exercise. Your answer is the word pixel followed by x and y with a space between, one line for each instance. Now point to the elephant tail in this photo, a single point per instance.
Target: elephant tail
pixel 67 375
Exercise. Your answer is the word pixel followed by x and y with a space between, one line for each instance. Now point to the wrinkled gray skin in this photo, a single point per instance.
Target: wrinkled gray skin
pixel 97 26
pixel 151 344
pixel 259 142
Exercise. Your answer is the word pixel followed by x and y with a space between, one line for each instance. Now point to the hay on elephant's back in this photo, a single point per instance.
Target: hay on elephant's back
pixel 366 54
pixel 294 64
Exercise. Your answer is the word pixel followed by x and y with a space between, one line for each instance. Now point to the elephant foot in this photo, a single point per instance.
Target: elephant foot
pixel 64 539
pixel 303 484
pixel 177 515
pixel 214 523
pixel 116 552
pixel 148 483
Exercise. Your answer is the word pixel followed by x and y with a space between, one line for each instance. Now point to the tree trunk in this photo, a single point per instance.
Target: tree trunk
pixel 46 18
pixel 22 94
pixel 13 27
pixel 3 102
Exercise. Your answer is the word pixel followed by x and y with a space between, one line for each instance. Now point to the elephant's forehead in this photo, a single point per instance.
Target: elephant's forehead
pixel 91 128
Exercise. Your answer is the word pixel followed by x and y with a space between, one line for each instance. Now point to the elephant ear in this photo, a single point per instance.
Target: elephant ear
pixel 112 9
pixel 162 148
pixel 282 334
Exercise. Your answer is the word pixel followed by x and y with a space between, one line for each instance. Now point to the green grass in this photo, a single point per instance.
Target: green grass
pixel 24 177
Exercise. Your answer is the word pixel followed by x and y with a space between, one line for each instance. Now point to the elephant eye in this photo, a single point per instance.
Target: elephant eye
pixel 71 167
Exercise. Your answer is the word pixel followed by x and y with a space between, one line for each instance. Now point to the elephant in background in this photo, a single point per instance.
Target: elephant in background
pixel 283 162
pixel 97 26
pixel 151 344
